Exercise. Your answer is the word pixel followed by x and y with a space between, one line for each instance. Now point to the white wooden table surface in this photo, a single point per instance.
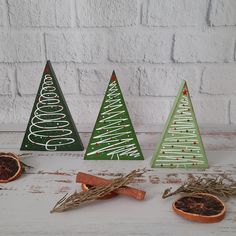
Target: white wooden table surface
pixel 25 203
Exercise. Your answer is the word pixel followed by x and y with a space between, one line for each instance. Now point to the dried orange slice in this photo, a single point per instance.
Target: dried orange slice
pixel 200 207
pixel 86 187
pixel 10 167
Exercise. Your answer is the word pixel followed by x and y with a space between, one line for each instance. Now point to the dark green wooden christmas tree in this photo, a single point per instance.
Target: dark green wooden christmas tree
pixel 181 144
pixel 113 136
pixel 51 127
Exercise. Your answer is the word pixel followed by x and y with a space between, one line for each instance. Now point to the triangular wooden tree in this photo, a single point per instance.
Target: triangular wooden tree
pixel 113 136
pixel 181 144
pixel 51 127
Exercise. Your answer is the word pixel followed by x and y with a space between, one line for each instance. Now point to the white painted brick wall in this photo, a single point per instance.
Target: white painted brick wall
pixel 151 44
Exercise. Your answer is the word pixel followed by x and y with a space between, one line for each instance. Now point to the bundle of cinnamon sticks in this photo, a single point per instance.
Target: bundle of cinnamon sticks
pixel 96 188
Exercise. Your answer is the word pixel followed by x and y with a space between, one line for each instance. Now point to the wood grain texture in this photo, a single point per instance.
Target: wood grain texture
pixel 26 202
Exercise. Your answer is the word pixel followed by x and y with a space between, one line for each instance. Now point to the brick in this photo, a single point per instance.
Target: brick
pixel 222 12
pixel 103 13
pixel 29 77
pixel 211 110
pixel 175 12
pixel 2 14
pixel 233 111
pixel 95 81
pixel 63 13
pixel 219 79
pixel 20 47
pixel 139 46
pixel 165 80
pixel 148 111
pixel 6 80
pixel 32 12
pixel 75 47
pixel 203 47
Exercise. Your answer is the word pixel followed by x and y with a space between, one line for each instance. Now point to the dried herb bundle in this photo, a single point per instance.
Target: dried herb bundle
pixel 216 186
pixel 77 199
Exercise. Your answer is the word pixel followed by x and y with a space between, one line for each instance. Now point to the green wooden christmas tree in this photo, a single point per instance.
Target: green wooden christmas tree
pixel 113 136
pixel 51 127
pixel 181 144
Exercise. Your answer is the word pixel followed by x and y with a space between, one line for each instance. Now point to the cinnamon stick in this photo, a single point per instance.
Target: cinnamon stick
pixel 98 181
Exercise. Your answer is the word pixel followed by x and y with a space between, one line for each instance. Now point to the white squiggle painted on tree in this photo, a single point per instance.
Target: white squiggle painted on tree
pixel 181 147
pixel 48 111
pixel 113 126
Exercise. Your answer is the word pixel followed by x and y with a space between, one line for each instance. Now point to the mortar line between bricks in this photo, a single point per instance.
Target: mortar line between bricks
pixel 45 47
pixel 109 63
pixel 201 81
pixel 141 8
pixel 16 86
pixel 136 27
pixel 73 13
pixel 209 9
pixel 172 49
pixel 8 13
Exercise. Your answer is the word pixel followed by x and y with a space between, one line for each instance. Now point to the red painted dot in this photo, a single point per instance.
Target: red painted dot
pixel 195 142
pixel 113 77
pixel 47 70
pixel 185 92
pixel 97 153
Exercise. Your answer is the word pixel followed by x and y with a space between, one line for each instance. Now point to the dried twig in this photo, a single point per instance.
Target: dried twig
pixel 26 166
pixel 216 186
pixel 77 199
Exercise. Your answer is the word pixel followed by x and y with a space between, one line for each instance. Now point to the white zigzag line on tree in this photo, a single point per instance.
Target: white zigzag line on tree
pixel 128 149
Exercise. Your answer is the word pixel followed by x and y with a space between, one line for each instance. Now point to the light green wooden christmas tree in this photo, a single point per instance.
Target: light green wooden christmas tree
pixel 113 136
pixel 181 144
